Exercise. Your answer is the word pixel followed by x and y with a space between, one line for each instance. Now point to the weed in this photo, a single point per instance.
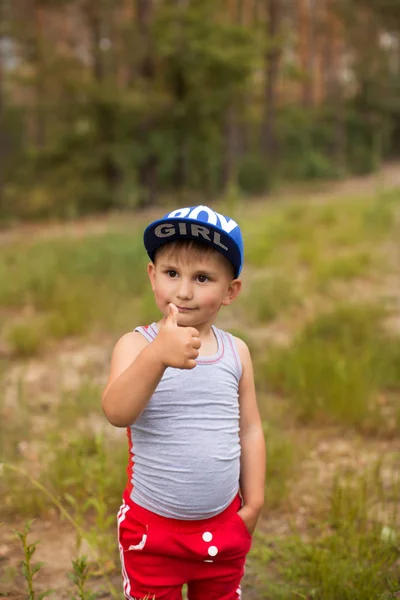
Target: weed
pixel 65 514
pixel 29 569
pixel 79 577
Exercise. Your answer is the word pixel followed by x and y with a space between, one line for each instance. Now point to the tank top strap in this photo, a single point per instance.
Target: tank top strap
pixel 147 331
pixel 232 351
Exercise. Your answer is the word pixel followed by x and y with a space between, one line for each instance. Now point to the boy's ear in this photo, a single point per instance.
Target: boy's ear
pixel 151 271
pixel 233 290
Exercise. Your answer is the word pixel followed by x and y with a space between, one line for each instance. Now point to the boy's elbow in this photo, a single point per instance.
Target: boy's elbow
pixel 114 416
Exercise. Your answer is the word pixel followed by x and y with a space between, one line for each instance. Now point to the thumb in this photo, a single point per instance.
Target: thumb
pixel 172 318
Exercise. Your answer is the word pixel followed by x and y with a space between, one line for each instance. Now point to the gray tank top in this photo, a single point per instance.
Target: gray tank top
pixel 185 447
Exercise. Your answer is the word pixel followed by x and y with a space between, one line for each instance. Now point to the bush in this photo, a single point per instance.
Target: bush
pixel 254 175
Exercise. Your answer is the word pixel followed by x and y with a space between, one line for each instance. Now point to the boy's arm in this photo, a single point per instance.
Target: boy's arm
pixel 135 372
pixel 253 455
pixel 137 367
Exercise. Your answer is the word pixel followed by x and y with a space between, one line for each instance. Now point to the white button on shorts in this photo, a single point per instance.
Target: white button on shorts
pixel 207 536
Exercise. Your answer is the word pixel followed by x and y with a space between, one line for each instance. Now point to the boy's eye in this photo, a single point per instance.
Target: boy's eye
pixel 202 278
pixel 171 273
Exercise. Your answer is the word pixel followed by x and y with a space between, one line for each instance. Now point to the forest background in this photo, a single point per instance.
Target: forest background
pixel 117 103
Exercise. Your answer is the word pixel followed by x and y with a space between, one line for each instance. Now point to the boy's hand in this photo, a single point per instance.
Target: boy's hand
pixel 178 346
pixel 249 517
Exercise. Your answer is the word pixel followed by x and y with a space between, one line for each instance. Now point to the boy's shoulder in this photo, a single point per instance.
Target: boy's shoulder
pixel 129 345
pixel 242 348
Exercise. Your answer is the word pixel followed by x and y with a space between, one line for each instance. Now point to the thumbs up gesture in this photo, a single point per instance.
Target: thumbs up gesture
pixel 178 346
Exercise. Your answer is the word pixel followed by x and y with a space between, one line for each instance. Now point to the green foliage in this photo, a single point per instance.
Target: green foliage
pixel 307 138
pixel 344 268
pixel 71 284
pixel 79 577
pixel 280 466
pixel 118 126
pixel 270 296
pixel 254 175
pixel 336 366
pixel 29 569
pixel 25 339
pixel 353 556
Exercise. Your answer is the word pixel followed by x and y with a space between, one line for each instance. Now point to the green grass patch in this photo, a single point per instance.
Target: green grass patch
pixel 344 268
pixel 353 556
pixel 281 455
pixel 335 367
pixel 26 338
pixel 268 297
pixel 68 457
pixel 74 284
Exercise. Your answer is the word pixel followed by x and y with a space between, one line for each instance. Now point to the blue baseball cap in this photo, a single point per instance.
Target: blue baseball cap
pixel 199 223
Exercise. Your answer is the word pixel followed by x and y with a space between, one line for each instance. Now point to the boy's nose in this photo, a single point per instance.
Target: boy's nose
pixel 184 291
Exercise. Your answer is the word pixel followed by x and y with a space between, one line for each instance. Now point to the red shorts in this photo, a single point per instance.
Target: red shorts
pixel 159 555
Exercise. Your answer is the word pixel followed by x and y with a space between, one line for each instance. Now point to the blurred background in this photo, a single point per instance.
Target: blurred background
pixel 283 114
pixel 115 103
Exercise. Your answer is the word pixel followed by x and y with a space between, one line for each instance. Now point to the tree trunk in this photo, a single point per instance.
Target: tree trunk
pixel 180 91
pixel 272 64
pixel 334 92
pixel 232 134
pixel 93 15
pixel 256 11
pixel 40 88
pixel 103 109
pixel 306 17
pixel 2 141
pixel 144 11
pixel 147 170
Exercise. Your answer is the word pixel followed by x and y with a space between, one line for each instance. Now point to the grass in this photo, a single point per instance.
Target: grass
pixel 336 367
pixel 269 297
pixel 73 285
pixel 280 466
pixel 337 373
pixel 343 268
pixel 351 556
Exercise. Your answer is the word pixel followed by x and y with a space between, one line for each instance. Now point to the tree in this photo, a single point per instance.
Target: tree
pixel 272 60
pixel 2 141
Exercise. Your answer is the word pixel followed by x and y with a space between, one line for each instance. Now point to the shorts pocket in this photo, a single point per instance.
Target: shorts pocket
pixel 133 534
pixel 242 525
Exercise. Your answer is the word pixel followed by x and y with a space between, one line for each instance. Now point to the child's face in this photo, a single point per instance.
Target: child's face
pixel 198 286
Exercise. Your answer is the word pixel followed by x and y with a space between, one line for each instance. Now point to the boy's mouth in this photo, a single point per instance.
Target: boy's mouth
pixel 185 309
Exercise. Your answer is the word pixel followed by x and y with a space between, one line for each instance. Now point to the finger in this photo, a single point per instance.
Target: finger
pixel 196 343
pixel 193 332
pixel 172 318
pixel 191 364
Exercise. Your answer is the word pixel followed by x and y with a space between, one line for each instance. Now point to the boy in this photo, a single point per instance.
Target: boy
pixel 185 391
